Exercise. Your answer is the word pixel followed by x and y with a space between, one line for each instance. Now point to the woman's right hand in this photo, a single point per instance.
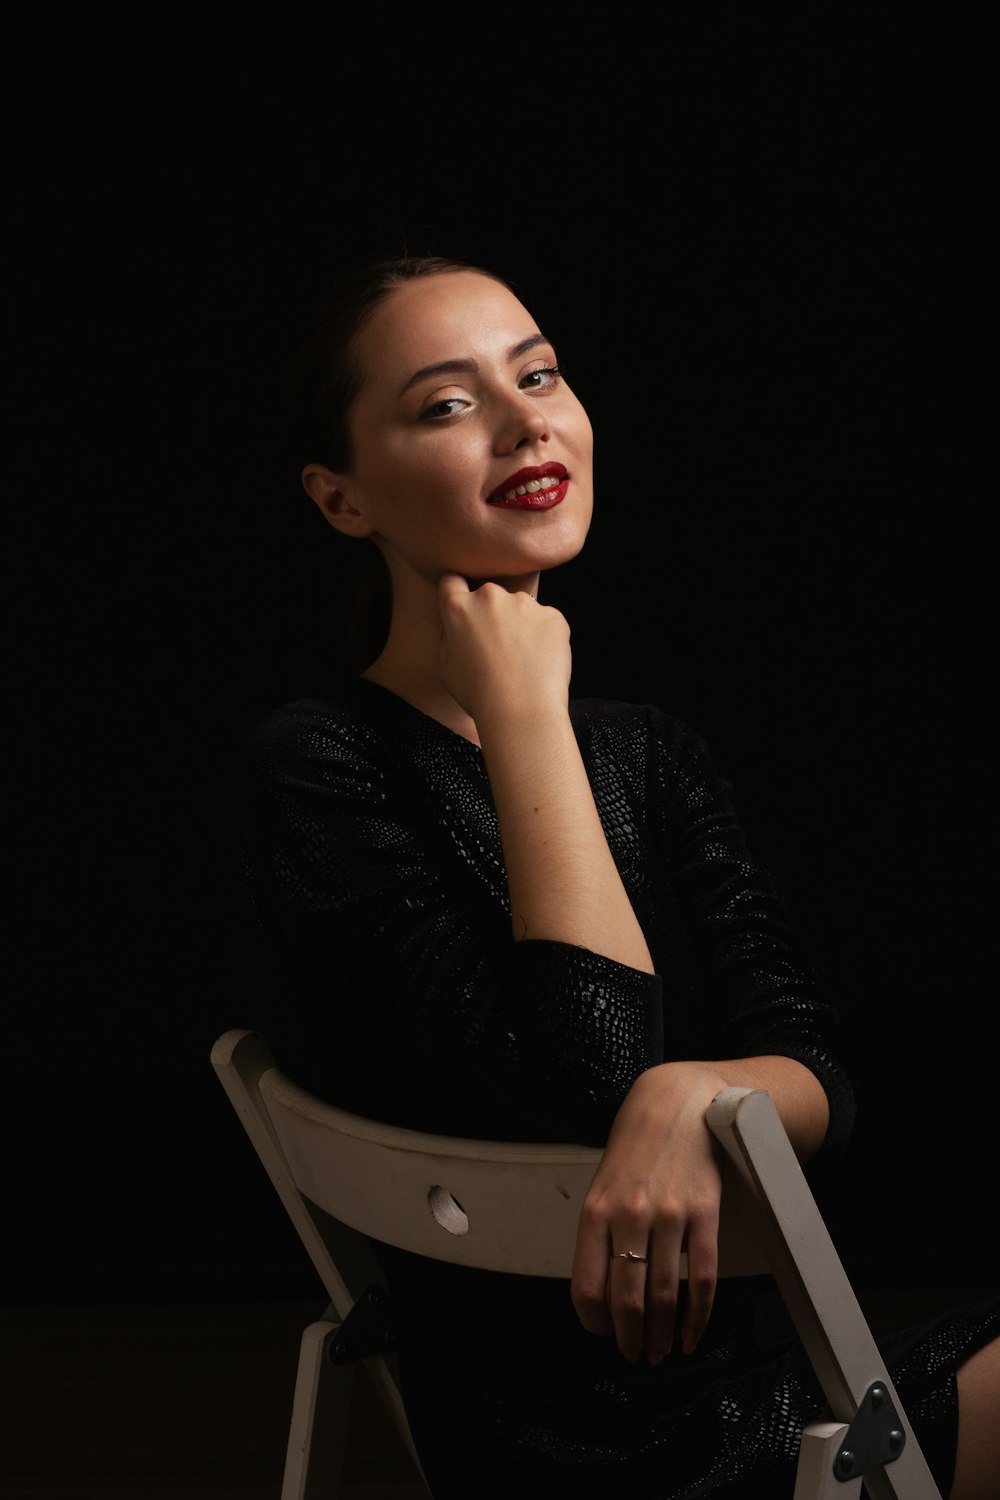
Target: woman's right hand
pixel 501 649
pixel 656 1194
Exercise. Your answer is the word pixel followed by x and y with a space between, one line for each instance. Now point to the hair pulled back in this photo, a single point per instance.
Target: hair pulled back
pixel 323 377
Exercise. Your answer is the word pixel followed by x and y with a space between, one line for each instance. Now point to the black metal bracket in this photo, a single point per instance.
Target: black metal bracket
pixel 875 1436
pixel 367 1330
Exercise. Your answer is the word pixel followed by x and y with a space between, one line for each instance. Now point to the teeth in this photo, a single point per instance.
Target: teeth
pixel 532 487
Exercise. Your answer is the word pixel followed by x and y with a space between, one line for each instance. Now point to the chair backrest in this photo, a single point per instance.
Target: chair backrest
pixel 496 1205
pixel 515 1207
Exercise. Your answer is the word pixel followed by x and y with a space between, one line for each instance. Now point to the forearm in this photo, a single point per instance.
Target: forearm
pixel 797 1094
pixel 562 879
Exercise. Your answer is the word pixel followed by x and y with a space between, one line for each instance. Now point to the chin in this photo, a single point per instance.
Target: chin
pixel 529 567
pixel 561 555
pixel 551 554
pixel 539 554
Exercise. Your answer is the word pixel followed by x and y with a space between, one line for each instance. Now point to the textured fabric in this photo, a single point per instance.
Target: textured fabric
pixel 374 861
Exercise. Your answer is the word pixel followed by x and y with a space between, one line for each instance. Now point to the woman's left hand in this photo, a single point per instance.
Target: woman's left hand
pixel 656 1193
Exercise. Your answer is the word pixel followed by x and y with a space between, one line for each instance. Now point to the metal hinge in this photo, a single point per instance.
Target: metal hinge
pixel 367 1330
pixel 875 1436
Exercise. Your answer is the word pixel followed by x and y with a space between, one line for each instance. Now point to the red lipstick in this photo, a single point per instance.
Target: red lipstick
pixel 541 499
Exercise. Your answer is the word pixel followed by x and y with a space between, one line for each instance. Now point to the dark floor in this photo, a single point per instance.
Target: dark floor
pixel 174 1402
pixel 191 1401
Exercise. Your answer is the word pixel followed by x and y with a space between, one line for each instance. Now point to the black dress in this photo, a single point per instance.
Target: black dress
pixel 375 864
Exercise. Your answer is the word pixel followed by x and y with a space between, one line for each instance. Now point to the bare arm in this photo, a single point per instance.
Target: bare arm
pixel 508 663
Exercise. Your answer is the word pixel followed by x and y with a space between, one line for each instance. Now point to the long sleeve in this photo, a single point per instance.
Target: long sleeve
pixel 761 992
pixel 377 860
pixel 373 845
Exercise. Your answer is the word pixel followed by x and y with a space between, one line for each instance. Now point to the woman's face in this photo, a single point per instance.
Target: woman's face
pixel 471 453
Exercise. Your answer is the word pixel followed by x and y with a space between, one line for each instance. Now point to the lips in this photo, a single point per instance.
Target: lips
pixel 532 489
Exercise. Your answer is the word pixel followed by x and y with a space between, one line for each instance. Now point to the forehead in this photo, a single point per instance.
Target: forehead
pixel 449 315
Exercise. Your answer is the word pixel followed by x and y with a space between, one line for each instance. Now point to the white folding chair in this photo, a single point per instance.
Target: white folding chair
pixel 514 1207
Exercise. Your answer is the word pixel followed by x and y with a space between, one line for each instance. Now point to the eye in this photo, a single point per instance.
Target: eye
pixel 446 407
pixel 540 380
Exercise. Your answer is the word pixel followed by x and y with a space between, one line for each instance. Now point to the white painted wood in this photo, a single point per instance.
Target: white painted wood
pixel 241 1058
pixel 814 1477
pixel 317 1434
pixel 514 1207
pixel 497 1205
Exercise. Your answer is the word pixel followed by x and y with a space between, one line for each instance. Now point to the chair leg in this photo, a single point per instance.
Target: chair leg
pixel 903 1478
pixel 317 1436
pixel 814 1477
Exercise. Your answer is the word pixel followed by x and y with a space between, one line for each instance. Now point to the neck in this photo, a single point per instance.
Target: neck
pixel 409 663
pixel 396 670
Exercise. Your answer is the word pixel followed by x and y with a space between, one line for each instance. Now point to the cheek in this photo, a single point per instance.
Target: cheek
pixel 446 469
pixel 458 466
pixel 579 435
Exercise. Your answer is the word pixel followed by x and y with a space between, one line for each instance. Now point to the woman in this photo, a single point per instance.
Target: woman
pixel 523 916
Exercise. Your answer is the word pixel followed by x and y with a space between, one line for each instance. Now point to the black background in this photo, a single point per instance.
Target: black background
pixel 753 242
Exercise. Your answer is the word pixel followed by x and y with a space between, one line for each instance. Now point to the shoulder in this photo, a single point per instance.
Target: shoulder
pixel 317 740
pixel 630 729
pixel 329 719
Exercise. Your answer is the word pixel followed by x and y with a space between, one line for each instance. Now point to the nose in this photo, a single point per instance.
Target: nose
pixel 521 423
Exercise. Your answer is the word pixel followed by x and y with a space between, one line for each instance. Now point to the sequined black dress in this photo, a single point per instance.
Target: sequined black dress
pixel 375 864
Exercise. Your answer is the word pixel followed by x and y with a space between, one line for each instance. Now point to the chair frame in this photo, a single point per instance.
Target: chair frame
pixel 514 1207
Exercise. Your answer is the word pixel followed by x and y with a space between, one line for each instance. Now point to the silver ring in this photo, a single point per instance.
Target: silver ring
pixel 629 1255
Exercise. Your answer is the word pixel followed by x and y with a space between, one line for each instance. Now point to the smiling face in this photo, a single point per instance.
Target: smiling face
pixel 470 452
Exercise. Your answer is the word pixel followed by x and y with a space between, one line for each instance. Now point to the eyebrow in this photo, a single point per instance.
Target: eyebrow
pixel 470 366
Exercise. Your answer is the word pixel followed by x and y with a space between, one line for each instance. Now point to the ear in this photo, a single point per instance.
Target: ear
pixel 335 496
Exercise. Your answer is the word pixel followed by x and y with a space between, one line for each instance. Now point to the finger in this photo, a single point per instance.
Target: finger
pixel 703 1276
pixel 453 594
pixel 663 1284
pixel 627 1298
pixel 452 586
pixel 589 1286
